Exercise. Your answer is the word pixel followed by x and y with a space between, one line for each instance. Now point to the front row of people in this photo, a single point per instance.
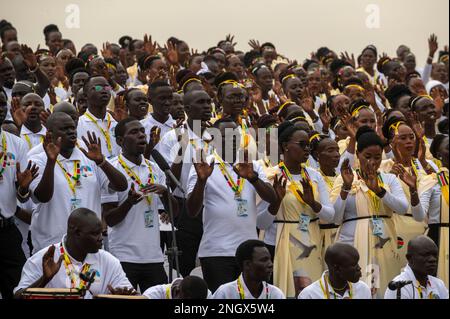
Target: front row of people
pixel 81 255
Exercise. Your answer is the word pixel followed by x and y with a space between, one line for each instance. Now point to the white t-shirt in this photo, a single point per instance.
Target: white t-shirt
pixel 149 122
pixel 107 267
pixel 359 290
pixel 49 221
pixel 435 288
pixel 165 291
pixel 223 229
pixel 136 238
pixel 16 151
pixel 32 139
pixel 233 290
pixel 23 227
pixel 108 124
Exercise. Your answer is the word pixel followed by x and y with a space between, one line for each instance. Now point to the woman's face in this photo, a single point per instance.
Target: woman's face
pixel 340 105
pixel 370 157
pixel 314 83
pixel 368 59
pixel 298 147
pixel 48 66
pixel 264 79
pixel 346 73
pixel 328 153
pixel 158 67
pixel 236 66
pixel 183 52
pixel 403 105
pixel 64 56
pixel 399 73
pixel 404 140
pixel 233 100
pixel 354 93
pixel 366 117
pixel 294 88
pixel 416 86
pixel 220 60
pixel 410 62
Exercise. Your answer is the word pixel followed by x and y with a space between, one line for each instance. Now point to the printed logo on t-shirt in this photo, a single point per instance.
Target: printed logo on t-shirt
pixel 86 171
pixel 10 159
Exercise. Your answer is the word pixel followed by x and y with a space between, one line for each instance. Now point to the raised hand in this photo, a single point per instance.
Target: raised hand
pixel 94 146
pixel 106 51
pixel 407 178
pixel 124 291
pixel 51 148
pixel 307 102
pixel 155 188
pixel 432 45
pixel 25 178
pixel 245 170
pixel 120 111
pixel 347 174
pixel 254 44
pixel 350 59
pixel 230 38
pixel 307 195
pixel 49 267
pixel 43 116
pixel 371 178
pixel 18 114
pixel 149 46
pixel 203 169
pixel 134 197
pixel 171 53
pixel 28 57
pixel 279 185
pixel 52 95
pixel 325 116
pixel 347 120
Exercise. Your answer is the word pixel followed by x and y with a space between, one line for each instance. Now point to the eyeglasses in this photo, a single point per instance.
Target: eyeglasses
pixel 98 88
pixel 302 144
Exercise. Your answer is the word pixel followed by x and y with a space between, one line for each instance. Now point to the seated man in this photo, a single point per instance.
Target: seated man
pixel 422 256
pixel 191 287
pixel 256 265
pixel 80 252
pixel 341 280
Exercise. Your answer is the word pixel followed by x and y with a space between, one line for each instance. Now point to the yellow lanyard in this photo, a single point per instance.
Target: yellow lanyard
pixel 205 147
pixel 4 159
pixel 294 185
pixel 419 288
pixel 75 177
pixel 136 179
pixel 70 271
pixel 27 139
pixel 442 177
pixel 375 201
pixel 104 132
pixel 242 292
pixel 236 187
pixel 327 180
pixel 168 289
pixel 326 291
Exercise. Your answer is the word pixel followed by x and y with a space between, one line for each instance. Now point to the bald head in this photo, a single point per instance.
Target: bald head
pixel 55 118
pixel 342 261
pixel 84 231
pixel 420 244
pixel 81 217
pixel 339 253
pixel 64 107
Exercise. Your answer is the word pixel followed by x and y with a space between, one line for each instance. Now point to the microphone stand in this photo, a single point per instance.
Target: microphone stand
pixel 173 252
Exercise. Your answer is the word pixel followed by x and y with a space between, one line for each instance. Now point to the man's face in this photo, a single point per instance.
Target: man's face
pixel 161 100
pixel 349 268
pixel 7 74
pixel 233 100
pixel 66 129
pixel 90 235
pixel 424 260
pixel 137 104
pixel 134 140
pixel 261 266
pixel 426 110
pixel 54 41
pixel 99 92
pixel 36 104
pixel 78 81
pixel 200 107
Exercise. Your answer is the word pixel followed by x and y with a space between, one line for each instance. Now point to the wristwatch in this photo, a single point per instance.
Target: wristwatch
pixel 381 193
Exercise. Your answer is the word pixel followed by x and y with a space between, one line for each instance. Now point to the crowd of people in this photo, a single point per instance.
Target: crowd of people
pixel 320 179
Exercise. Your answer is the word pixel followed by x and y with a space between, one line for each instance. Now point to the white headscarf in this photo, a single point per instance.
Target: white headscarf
pixel 432 84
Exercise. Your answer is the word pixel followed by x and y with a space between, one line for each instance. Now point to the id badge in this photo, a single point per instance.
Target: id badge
pixel 304 222
pixel 377 227
pixel 75 203
pixel 148 218
pixel 242 207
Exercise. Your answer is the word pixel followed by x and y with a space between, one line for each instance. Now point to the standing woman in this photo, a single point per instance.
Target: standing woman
pixel 402 139
pixel 439 231
pixel 326 151
pixel 298 258
pixel 368 61
pixel 364 202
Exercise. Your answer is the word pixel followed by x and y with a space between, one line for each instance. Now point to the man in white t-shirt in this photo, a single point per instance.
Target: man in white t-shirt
pixel 256 265
pixel 61 265
pixel 341 280
pixel 14 186
pixel 69 178
pixel 32 131
pixel 132 215
pixel 422 256
pixel 190 287
pixel 227 192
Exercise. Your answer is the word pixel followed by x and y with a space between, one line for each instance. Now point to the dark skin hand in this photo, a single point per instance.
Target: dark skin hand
pixel 25 178
pixel 347 177
pixel 124 291
pixel 279 185
pixel 19 115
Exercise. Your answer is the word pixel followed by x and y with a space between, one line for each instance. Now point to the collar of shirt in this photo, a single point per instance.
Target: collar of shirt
pixel 410 274
pixel 205 136
pixel 132 165
pixel 25 131
pixel 107 116
pixel 90 258
pixel 326 283
pixel 75 156
pixel 264 293
pixel 169 123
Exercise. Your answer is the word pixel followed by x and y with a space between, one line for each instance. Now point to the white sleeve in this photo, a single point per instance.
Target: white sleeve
pixel 155 292
pixel 31 271
pixel 264 219
pixel 395 199
pixel 419 211
pixel 426 73
pixel 192 180
pixel 115 277
pixel 327 211
pixel 220 293
pixel 305 294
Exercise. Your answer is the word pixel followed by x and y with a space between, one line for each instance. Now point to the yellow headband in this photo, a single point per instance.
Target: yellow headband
pixel 395 126
pixel 111 66
pixel 385 61
pixel 312 138
pixel 426 96
pixel 290 76
pixel 233 82
pixel 189 81
pixel 282 106
pixel 359 108
pixel 298 118
pixel 356 86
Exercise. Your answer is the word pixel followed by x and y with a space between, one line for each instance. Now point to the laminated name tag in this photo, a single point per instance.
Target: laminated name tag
pixel 377 227
pixel 75 203
pixel 148 218
pixel 304 222
pixel 242 207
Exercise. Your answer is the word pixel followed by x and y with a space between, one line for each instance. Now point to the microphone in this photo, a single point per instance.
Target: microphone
pixel 164 166
pixel 394 285
pixel 89 278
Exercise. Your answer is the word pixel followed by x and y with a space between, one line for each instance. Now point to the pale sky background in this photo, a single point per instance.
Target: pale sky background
pixel 296 27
